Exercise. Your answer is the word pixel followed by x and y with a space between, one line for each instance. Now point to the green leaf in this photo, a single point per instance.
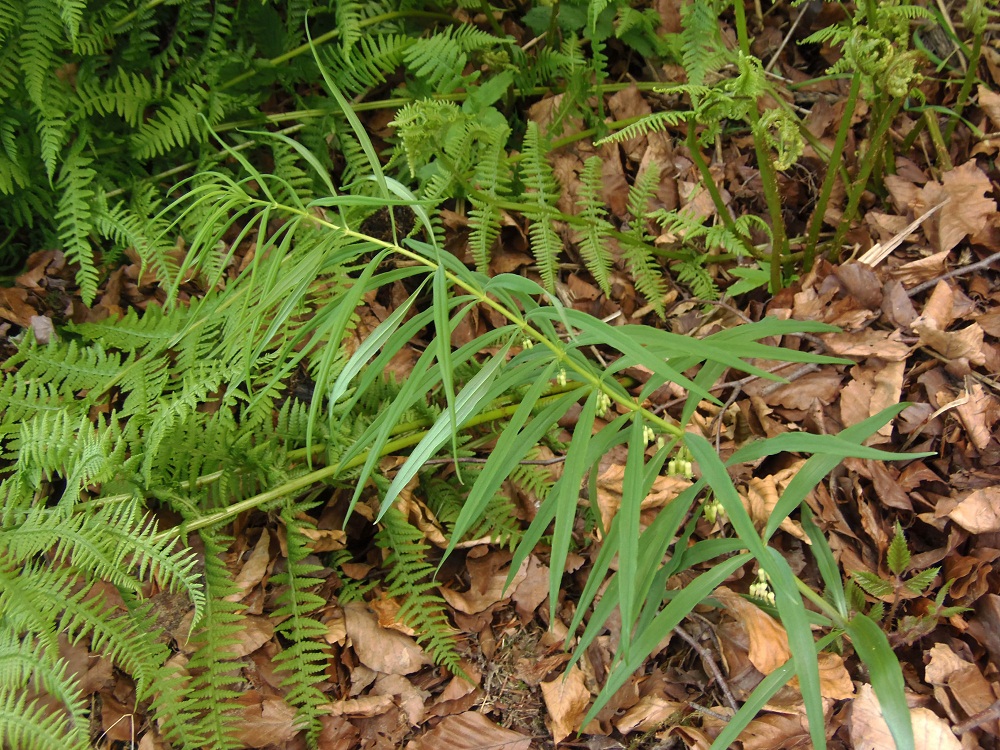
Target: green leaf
pixel 872 584
pixel 918 583
pixel 898 556
pixel 467 402
pixel 828 569
pixel 874 650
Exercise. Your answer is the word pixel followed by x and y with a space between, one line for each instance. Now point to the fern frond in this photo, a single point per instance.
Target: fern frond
pixel 594 242
pixel 638 254
pixel 27 669
pixel 654 123
pixel 702 48
pixel 31 724
pixel 305 659
pixel 175 124
pixel 188 702
pixel 75 220
pixel 541 191
pixel 40 36
pixel 410 577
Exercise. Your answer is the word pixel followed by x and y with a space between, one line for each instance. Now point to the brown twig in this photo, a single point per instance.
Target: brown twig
pixel 987 261
pixel 993 712
pixel 473 460
pixel 710 664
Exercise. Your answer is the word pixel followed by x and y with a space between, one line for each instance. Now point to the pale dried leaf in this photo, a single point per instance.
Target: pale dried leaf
pixel 265 721
pixel 989 102
pixel 979 511
pixel 469 731
pixel 254 568
pixel 566 698
pixel 488 576
pixel 870 732
pixel 649 713
pixel 378 648
pixel 768 640
pixel 366 705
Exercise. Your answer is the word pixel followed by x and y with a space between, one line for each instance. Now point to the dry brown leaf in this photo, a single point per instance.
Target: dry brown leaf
pixel 886 345
pixel 533 590
pixel 763 493
pixel 768 639
pixel 649 713
pixel 566 698
pixel 918 271
pixel 834 679
pixel 874 386
pixel 254 569
pixel 417 512
pixel 14 306
pixel 989 102
pixel 378 648
pixel 870 732
pixel 265 721
pixel 488 576
pixel 966 343
pixel 772 731
pixel 366 705
pixel 324 540
pixel 979 511
pixel 609 492
pixel 978 412
pixel 469 731
pixel 967 210
pixel 804 392
pixel 951 675
pixel 411 699
pixel 254 632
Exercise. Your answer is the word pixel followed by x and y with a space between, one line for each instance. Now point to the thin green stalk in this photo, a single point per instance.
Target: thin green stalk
pixel 713 191
pixel 831 172
pixel 940 144
pixel 768 177
pixel 867 165
pixel 967 82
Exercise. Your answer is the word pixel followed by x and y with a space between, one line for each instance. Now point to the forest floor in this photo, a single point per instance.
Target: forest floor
pixel 921 325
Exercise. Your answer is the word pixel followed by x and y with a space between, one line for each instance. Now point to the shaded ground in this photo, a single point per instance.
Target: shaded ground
pixel 921 325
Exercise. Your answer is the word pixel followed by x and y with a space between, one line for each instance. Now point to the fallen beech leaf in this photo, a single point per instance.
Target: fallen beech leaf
pixel 978 412
pixel 469 731
pixel 834 679
pixel 649 713
pixel 950 673
pixel 254 568
pixel 966 343
pixel 265 721
pixel 377 648
pixel 488 578
pixel 366 705
pixel 979 511
pixel 776 731
pixel 566 697
pixel 967 210
pixel 768 639
pixel 870 732
pixel 918 271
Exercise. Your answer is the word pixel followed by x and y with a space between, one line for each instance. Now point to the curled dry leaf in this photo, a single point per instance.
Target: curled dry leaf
pixel 870 732
pixel 979 512
pixel 651 712
pixel 768 639
pixel 380 649
pixel 469 731
pixel 489 576
pixel 566 698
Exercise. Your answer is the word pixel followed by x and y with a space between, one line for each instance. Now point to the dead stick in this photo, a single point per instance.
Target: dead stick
pixel 710 664
pixel 988 261
pixel 982 717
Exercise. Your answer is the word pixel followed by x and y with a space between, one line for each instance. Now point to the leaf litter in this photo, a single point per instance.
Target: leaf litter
pixel 918 328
